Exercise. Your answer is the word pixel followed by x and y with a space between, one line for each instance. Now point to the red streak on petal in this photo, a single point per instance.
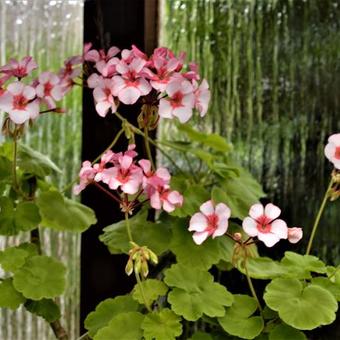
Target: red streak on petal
pixel 337 152
pixel 19 102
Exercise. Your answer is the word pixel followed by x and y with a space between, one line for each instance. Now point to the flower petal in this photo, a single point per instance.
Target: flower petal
pixel 256 211
pixel 200 237
pixel 268 239
pixel 198 222
pixel 279 228
pixel 249 226
pixel 207 208
pixel 129 95
pixel 272 211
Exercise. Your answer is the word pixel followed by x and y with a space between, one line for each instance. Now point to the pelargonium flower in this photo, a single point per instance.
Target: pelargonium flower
pixel 48 89
pixel 180 102
pixel 163 197
pixel 332 150
pixel 264 224
pixel 20 68
pixel 295 235
pixel 153 179
pixel 86 175
pixel 202 97
pixel 210 221
pixel 130 84
pixel 18 101
pixel 103 96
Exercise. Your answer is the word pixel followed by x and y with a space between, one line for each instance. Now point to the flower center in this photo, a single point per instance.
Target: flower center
pixel 47 89
pixel 123 176
pixel 337 152
pixel 263 224
pixel 19 102
pixel 176 99
pixel 212 223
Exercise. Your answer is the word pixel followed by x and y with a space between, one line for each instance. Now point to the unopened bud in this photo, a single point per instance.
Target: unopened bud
pixel 237 236
pixel 145 268
pixel 153 257
pixel 129 267
pixel 138 265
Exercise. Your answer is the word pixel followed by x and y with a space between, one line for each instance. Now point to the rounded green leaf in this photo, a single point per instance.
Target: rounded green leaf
pixel 46 308
pixel 326 283
pixel 152 289
pixel 9 296
pixel 125 326
pixel 7 213
pixel 195 293
pixel 284 332
pixel 163 325
pixel 201 336
pixel 193 255
pixel 61 213
pixel 13 258
pixel 238 319
pixel 301 307
pixel 107 310
pixel 27 216
pixel 40 277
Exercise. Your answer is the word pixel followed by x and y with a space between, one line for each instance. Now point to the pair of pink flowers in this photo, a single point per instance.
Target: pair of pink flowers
pixel 262 223
pixel 21 101
pixel 120 171
pixel 133 75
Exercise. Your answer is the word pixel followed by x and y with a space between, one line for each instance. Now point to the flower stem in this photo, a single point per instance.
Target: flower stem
pixel 128 228
pixel 147 147
pixel 251 287
pixel 318 217
pixel 140 286
pixel 107 192
pixel 14 168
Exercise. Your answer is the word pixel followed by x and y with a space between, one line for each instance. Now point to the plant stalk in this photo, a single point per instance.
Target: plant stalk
pixel 128 228
pixel 140 286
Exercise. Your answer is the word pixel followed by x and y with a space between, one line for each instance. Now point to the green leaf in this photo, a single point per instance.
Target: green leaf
pixel 284 332
pixel 107 310
pixel 40 277
pixel 155 236
pixel 238 319
pixel 212 140
pixel 30 248
pixel 123 326
pixel 194 196
pixel 46 308
pixel 163 325
pixel 300 266
pixel 13 258
pixel 7 225
pixel 193 255
pixel 9 296
pixel 239 193
pixel 195 293
pixel 201 336
pixel 27 216
pixel 299 306
pixel 61 213
pixel 152 289
pixel 5 168
pixel 324 282
pixel 333 273
pixel 34 162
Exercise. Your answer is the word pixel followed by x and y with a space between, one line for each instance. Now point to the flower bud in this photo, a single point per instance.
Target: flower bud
pixel 129 267
pixel 153 257
pixel 237 236
pixel 145 268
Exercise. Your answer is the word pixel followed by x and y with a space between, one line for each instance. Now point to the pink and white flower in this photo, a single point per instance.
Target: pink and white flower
pixel 130 84
pixel 103 96
pixel 202 98
pixel 210 221
pixel 86 175
pixel 19 102
pixel 295 235
pixel 153 179
pixel 332 150
pixel 180 102
pixel 264 224
pixel 20 68
pixel 125 175
pixel 165 198
pixel 48 89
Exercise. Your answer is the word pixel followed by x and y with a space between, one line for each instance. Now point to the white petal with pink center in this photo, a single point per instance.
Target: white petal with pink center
pixel 332 150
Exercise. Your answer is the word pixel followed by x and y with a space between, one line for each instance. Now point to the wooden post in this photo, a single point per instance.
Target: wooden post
pixel 108 23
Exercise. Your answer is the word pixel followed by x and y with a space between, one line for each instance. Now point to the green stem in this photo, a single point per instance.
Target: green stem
pixel 147 147
pixel 318 217
pixel 14 169
pixel 128 228
pixel 140 286
pixel 251 287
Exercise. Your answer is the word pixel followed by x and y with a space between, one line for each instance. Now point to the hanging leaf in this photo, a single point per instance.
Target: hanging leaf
pixel 12 259
pixel 107 310
pixel 238 319
pixel 152 289
pixel 162 325
pixel 40 277
pixel 189 253
pixel 195 293
pixel 122 326
pixel 34 162
pixel 324 282
pixel 9 296
pixel 284 332
pixel 300 306
pixel 63 214
pixel 155 236
pixel 46 308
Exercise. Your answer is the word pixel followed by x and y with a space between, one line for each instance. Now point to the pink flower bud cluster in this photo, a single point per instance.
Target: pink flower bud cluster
pixel 126 76
pixel 22 100
pixel 123 174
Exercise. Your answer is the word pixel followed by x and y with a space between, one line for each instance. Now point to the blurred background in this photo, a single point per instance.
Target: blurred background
pixel 273 67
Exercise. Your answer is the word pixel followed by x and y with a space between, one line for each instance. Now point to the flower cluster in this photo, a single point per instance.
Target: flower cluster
pixel 262 223
pixel 132 75
pixel 22 100
pixel 123 174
